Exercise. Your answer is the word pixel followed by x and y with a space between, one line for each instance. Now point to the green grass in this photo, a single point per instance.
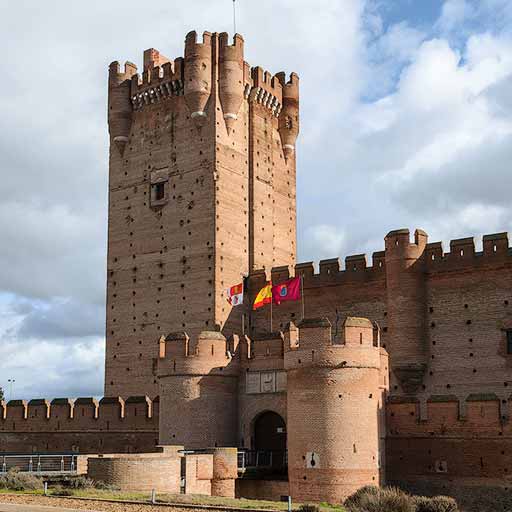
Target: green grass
pixel 34 493
pixel 175 498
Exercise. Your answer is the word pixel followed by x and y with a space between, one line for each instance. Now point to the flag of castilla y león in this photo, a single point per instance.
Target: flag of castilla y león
pixel 235 294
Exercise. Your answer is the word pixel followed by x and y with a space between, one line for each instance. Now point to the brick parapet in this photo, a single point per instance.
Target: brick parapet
pixel 210 353
pixel 186 76
pixel 477 415
pixel 462 256
pixel 81 414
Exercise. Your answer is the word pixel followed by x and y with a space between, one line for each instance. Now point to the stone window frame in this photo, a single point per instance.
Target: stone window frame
pixel 159 179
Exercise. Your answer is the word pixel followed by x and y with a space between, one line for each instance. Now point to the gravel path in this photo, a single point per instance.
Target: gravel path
pixel 89 505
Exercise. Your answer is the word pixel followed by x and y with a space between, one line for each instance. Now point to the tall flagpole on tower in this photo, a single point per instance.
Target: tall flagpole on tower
pixel 234 16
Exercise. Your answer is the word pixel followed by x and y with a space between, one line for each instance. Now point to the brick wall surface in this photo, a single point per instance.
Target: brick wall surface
pixel 81 426
pixel 136 473
pixel 262 489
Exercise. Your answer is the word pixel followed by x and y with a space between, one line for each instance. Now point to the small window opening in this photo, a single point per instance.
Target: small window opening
pixel 158 190
pixel 509 341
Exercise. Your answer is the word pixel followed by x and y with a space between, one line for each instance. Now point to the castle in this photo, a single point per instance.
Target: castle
pixel 202 194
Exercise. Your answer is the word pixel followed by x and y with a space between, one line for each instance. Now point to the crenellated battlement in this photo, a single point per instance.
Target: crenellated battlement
pixel 476 414
pixel 191 41
pixel 326 272
pixel 266 90
pixel 163 78
pixel 116 76
pixel 209 352
pixel 316 346
pixel 235 48
pixel 462 255
pixel 157 83
pixel 79 413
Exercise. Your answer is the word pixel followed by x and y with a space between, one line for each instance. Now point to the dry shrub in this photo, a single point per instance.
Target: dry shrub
pixel 59 491
pixel 103 486
pixel 436 504
pixel 309 508
pixel 375 499
pixel 13 480
pixel 78 482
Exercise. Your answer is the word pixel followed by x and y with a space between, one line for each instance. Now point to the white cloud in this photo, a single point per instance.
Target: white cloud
pixel 325 241
pixel 454 13
pixel 402 125
pixel 47 370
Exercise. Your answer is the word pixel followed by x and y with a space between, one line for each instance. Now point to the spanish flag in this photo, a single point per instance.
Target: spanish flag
pixel 264 297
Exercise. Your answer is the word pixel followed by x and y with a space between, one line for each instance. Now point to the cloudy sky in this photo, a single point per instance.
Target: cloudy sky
pixel 406 122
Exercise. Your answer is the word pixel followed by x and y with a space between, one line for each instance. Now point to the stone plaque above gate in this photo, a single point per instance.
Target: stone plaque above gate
pixel 271 381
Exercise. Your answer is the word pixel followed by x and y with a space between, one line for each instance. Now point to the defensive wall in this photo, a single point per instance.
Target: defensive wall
pixel 447 414
pixel 454 442
pixel 84 425
pixel 455 309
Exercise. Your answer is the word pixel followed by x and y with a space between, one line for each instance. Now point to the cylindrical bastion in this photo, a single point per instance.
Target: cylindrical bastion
pixel 142 472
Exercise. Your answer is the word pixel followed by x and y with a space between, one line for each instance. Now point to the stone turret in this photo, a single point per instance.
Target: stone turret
pixel 406 292
pixel 289 117
pixel 231 77
pixel 119 104
pixel 198 381
pixel 198 75
pixel 335 404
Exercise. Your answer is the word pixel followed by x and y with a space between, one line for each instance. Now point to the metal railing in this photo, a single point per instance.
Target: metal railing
pixel 262 459
pixel 39 464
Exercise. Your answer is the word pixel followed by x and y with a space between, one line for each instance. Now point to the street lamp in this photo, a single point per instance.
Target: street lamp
pixel 11 385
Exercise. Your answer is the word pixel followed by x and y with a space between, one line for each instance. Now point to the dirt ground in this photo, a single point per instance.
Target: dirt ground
pixel 96 506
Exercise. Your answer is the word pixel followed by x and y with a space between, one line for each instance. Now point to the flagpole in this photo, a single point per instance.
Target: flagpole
pixel 234 16
pixel 271 316
pixel 302 293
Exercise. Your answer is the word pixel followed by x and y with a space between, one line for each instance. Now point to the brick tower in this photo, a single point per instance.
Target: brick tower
pixel 201 191
pixel 340 388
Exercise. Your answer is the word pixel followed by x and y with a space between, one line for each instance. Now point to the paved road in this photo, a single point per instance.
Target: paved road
pixel 11 507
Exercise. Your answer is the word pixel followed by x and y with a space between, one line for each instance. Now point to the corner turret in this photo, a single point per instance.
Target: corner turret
pixel 289 117
pixel 198 75
pixel 231 77
pixel 120 108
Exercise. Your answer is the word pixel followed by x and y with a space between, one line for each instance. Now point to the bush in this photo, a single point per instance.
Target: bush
pixel 59 491
pixel 79 482
pixel 13 480
pixel 309 508
pixel 375 499
pixel 103 486
pixel 435 504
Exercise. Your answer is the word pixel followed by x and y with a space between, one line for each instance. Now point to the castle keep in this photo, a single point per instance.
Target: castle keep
pixel 398 370
pixel 202 190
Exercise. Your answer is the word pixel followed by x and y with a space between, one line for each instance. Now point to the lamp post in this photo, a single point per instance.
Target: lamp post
pixel 11 386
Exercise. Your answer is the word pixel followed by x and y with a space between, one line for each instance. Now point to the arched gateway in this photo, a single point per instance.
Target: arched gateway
pixel 269 439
